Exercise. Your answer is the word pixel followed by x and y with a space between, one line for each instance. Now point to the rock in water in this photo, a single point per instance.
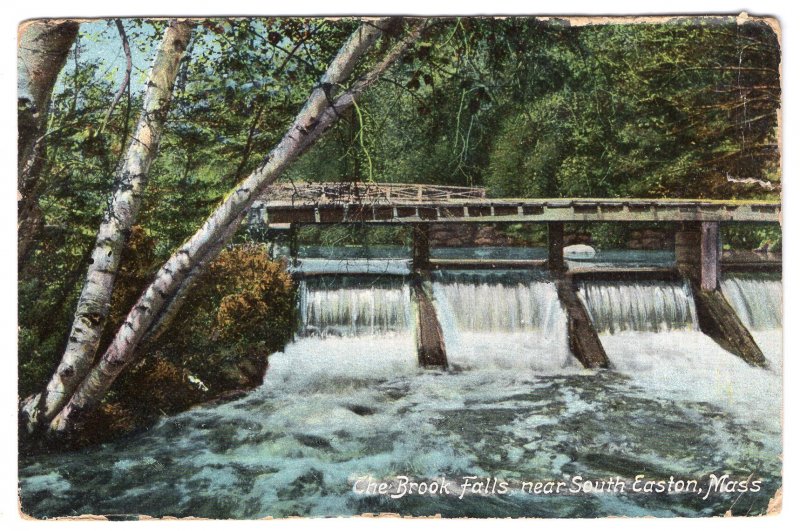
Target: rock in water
pixel 579 252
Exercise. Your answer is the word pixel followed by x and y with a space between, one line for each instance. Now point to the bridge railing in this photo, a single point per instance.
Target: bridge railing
pixel 367 193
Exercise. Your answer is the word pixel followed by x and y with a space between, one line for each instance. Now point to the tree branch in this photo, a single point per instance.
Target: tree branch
pixel 125 80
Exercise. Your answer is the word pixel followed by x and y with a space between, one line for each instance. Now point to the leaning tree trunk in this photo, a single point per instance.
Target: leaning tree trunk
pixel 131 179
pixel 162 296
pixel 41 53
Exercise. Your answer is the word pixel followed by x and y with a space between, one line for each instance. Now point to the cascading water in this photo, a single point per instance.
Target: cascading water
pixel 757 299
pixel 651 306
pixel 341 322
pixel 346 400
pixel 650 332
pixel 354 311
pixel 502 320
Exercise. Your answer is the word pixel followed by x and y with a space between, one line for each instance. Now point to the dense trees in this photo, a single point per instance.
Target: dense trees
pixel 526 107
pixel 684 110
pixel 530 108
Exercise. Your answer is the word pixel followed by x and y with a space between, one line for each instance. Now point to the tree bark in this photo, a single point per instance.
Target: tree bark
pixel 131 180
pixel 41 53
pixel 318 114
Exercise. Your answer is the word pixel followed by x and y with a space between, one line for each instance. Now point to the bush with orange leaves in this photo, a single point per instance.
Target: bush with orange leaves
pixel 239 311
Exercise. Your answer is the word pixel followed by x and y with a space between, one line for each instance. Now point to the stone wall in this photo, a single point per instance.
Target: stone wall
pixel 650 239
pixel 492 235
pixel 469 235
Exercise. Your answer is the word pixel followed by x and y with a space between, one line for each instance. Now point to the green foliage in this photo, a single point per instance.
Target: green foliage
pixel 532 234
pixel 750 237
pixel 647 110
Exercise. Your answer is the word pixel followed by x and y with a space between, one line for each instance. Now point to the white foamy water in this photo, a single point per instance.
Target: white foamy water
pixel 354 311
pixel 643 306
pixel 757 299
pixel 492 325
pixel 690 366
pixel 336 408
pixel 685 364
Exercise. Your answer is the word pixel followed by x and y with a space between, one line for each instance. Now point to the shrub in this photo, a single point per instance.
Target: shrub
pixel 241 309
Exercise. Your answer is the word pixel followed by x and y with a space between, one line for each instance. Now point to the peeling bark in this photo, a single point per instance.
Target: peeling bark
pixel 318 114
pixel 41 53
pixel 131 179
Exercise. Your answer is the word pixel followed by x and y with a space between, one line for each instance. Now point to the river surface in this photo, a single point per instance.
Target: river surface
pixel 345 406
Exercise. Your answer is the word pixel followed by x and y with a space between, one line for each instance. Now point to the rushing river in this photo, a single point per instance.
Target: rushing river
pixel 345 404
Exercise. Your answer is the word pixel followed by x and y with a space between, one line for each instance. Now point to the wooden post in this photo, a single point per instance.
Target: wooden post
pixel 555 246
pixel 430 339
pixel 420 247
pixel 709 255
pixel 294 247
pixel 583 341
pixel 697 253
pixel 718 320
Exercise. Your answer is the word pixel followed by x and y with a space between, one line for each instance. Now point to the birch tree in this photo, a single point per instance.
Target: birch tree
pixel 161 299
pixel 131 180
pixel 41 53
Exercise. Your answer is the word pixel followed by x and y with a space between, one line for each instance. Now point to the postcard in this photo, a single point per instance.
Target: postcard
pixel 450 266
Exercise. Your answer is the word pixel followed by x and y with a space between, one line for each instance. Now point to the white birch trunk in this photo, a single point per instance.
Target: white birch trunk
pixel 41 53
pixel 318 114
pixel 131 179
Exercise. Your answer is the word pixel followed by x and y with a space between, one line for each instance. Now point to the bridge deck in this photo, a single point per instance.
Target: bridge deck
pixel 370 203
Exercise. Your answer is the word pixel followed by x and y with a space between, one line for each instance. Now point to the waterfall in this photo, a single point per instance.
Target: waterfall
pixel 498 308
pixel 354 311
pixel 650 306
pixel 757 299
pixel 354 331
pixel 502 320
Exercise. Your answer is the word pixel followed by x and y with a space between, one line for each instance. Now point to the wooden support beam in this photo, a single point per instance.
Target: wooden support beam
pixel 420 247
pixel 320 203
pixel 623 274
pixel 555 246
pixel 430 339
pixel 718 320
pixel 583 341
pixel 294 246
pixel 481 263
pixel 710 252
pixel 765 266
pixel 698 253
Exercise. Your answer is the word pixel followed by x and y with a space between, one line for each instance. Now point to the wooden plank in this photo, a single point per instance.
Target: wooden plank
pixel 719 321
pixel 539 210
pixel 470 263
pixel 430 339
pixel 766 266
pixel 583 341
pixel 624 274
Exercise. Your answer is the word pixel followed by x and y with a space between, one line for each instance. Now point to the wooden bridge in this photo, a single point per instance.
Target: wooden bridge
pixel 698 248
pixel 415 203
